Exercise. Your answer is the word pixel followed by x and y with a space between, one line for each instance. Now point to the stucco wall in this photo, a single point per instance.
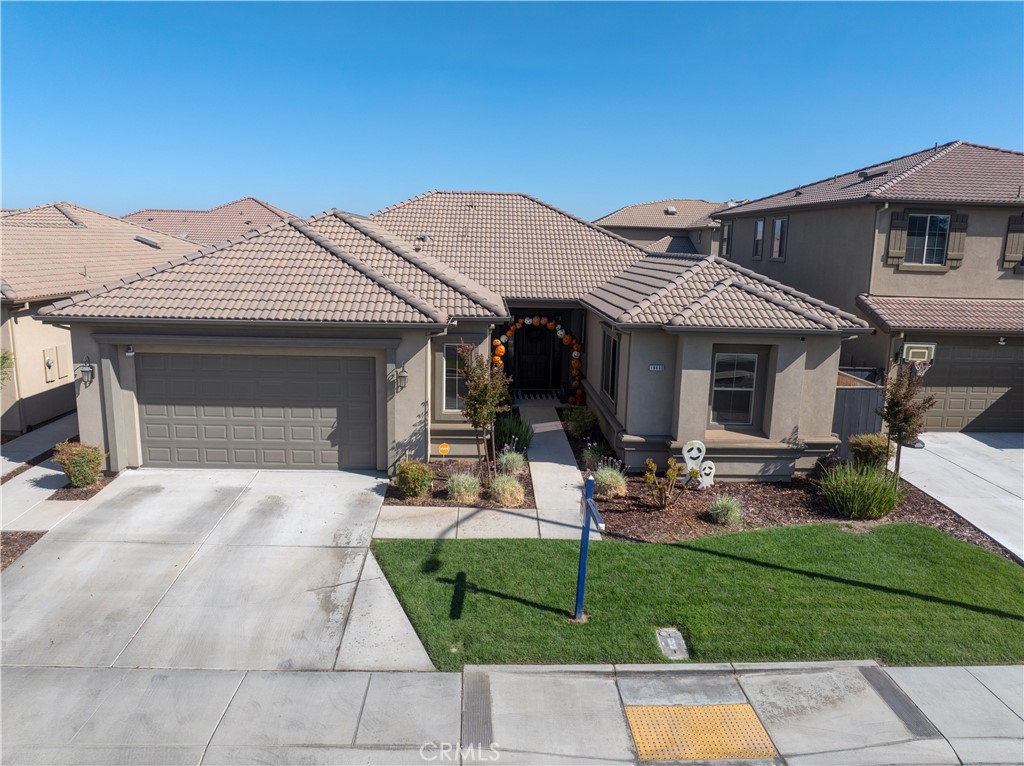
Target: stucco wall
pixel 29 399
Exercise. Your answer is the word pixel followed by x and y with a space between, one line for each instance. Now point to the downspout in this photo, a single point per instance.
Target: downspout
pixel 874 245
pixel 17 368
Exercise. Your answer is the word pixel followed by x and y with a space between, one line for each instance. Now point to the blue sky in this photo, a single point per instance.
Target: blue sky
pixel 588 106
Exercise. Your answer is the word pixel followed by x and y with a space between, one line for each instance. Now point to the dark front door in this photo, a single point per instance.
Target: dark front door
pixel 534 358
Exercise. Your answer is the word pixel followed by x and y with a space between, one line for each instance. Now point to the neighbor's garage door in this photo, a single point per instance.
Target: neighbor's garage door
pixel 978 384
pixel 209 410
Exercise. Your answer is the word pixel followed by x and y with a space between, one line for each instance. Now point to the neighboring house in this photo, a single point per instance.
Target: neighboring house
pixel 208 227
pixel 669 225
pixel 332 342
pixel 929 248
pixel 51 252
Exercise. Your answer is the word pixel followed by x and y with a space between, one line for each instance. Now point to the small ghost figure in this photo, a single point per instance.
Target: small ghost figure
pixel 707 474
pixel 693 453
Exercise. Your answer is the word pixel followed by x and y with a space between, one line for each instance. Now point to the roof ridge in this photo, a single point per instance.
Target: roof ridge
pixel 793 293
pixel 422 306
pixel 831 324
pixel 427 263
pixel 938 154
pixel 267 205
pixel 657 202
pixel 701 301
pixel 422 195
pixel 130 223
pixel 62 208
pixel 991 148
pixel 571 217
pixel 677 281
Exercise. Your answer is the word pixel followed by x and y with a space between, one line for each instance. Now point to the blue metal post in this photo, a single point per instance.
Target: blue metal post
pixel 581 577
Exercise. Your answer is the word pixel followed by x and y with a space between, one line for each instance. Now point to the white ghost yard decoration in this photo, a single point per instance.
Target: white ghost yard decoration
pixel 693 453
pixel 707 474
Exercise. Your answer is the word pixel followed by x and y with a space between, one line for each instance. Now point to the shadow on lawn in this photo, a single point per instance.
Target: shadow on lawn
pixel 855 583
pixel 463 586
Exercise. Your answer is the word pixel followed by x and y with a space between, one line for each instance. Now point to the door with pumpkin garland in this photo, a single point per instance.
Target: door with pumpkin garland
pixel 534 359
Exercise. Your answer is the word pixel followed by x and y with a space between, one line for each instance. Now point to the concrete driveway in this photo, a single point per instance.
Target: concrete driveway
pixel 239 570
pixel 978 475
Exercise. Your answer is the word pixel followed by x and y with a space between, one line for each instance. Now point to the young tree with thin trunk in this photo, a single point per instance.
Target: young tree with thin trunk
pixel 904 408
pixel 487 396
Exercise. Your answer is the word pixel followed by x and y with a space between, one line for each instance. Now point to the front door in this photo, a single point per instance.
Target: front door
pixel 534 358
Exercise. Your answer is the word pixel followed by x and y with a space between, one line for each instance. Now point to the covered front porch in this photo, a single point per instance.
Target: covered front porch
pixel 544 349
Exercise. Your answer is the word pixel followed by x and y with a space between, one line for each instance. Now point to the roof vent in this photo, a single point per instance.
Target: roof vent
pixel 147 241
pixel 670 210
pixel 732 203
pixel 797 193
pixel 881 170
pixel 183 234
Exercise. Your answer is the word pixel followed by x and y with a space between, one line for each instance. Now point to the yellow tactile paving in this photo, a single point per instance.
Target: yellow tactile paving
pixel 693 732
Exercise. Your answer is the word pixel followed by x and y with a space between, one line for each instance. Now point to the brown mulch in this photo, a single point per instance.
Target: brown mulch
pixel 438 494
pixel 81 493
pixel 13 544
pixel 25 466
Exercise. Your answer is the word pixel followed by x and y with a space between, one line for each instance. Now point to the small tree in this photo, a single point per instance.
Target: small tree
pixel 487 396
pixel 905 408
pixel 6 367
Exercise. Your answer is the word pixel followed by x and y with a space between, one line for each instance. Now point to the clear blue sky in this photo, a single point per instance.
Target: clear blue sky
pixel 588 106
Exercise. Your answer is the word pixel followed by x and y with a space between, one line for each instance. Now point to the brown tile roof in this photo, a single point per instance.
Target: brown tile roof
pixel 954 172
pixel 334 267
pixel 711 293
pixel 679 244
pixel 517 245
pixel 896 313
pixel 60 249
pixel 208 227
pixel 690 214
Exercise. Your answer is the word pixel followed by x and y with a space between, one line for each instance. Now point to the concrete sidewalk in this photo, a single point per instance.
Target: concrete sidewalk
pixel 26 447
pixel 812 714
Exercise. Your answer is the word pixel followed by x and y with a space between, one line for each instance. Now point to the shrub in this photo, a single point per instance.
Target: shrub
pixel 510 462
pixel 593 454
pixel 463 488
pixel 81 462
pixel 726 511
pixel 664 490
pixel 860 491
pixel 870 449
pixel 609 481
pixel 510 429
pixel 412 478
pixel 581 421
pixel 507 491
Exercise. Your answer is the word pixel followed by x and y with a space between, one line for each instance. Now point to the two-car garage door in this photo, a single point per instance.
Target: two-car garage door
pixel 232 411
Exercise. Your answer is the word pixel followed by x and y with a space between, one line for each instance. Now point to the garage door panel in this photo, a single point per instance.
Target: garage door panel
pixel 272 412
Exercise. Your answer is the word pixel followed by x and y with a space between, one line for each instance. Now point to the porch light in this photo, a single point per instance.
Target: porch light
pixel 401 378
pixel 1002 341
pixel 87 371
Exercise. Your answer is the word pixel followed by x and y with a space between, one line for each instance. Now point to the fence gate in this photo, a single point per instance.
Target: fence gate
pixel 856 409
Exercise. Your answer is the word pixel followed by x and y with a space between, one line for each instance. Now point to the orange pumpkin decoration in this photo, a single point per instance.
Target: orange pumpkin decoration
pixel 566 340
pixel 575 384
pixel 551 325
pixel 500 351
pixel 577 373
pixel 496 359
pixel 495 342
pixel 536 320
pixel 511 329
pixel 576 364
pixel 577 347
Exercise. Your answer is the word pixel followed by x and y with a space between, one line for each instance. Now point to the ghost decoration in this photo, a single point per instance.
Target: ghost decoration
pixel 707 474
pixel 693 453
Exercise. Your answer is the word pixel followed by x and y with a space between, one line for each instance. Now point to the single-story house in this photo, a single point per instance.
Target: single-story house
pixel 51 252
pixel 208 227
pixel 332 342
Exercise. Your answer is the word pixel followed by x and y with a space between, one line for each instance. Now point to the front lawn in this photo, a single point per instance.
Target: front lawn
pixel 901 594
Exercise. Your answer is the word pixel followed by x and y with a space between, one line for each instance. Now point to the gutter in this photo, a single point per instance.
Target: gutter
pixel 293 323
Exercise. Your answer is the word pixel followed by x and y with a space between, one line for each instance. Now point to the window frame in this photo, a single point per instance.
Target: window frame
pixel 782 238
pixel 758 250
pixel 763 354
pixel 610 364
pixel 459 375
pixel 725 240
pixel 928 216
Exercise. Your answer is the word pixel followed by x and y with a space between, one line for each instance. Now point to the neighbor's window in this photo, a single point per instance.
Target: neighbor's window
pixel 780 229
pixel 926 239
pixel 610 365
pixel 732 395
pixel 758 238
pixel 725 243
pixel 454 380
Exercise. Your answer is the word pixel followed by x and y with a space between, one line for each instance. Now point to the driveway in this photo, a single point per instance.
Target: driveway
pixel 978 475
pixel 239 570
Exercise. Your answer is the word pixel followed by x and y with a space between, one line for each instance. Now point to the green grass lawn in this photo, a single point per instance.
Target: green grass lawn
pixel 901 593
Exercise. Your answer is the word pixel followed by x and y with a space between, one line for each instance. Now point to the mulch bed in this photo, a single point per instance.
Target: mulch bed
pixel 438 494
pixel 81 493
pixel 13 544
pixel 765 504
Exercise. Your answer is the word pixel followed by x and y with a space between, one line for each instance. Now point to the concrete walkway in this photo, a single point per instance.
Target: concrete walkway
pixel 814 714
pixel 24 499
pixel 26 447
pixel 980 476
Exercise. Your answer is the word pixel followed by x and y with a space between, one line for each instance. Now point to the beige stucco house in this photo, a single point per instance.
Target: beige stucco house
pixel 670 225
pixel 48 253
pixel 927 247
pixel 331 342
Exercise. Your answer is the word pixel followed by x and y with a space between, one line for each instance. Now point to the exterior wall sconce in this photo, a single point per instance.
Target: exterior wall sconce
pixel 129 351
pixel 87 372
pixel 1002 341
pixel 401 378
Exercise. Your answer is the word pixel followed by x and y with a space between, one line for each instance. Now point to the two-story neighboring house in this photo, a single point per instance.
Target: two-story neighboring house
pixel 668 225
pixel 928 247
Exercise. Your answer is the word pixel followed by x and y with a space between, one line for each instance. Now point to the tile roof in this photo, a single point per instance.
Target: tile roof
pixel 690 214
pixel 896 313
pixel 678 243
pixel 333 267
pixel 711 293
pixel 954 172
pixel 60 249
pixel 208 227
pixel 515 244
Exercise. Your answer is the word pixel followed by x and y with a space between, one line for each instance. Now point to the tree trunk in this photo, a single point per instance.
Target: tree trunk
pixel 899 450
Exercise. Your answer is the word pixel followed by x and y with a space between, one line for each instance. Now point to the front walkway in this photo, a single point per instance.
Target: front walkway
pixel 802 714
pixel 978 476
pixel 26 447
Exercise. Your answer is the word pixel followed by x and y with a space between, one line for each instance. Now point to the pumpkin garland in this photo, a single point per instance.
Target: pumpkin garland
pixel 569 341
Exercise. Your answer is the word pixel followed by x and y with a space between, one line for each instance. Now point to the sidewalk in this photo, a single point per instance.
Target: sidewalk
pixel 811 714
pixel 26 447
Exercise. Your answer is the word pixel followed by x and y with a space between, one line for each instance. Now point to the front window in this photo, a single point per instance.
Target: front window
pixel 454 379
pixel 732 396
pixel 780 229
pixel 758 238
pixel 725 244
pixel 610 365
pixel 926 239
